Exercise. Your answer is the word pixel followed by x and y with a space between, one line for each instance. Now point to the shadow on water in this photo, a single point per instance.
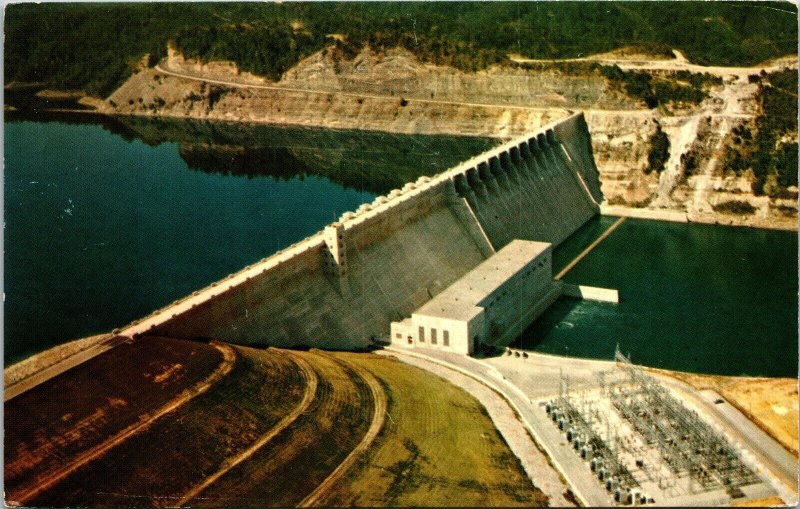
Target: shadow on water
pixel 110 218
pixel 555 318
pixel 366 161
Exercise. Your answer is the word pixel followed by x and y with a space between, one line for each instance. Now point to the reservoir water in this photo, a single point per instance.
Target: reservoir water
pixel 693 297
pixel 105 223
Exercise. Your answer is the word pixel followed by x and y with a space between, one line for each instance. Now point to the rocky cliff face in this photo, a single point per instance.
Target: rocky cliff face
pixel 393 92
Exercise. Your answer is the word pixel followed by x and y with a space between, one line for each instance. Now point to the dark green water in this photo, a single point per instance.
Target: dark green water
pixel 105 223
pixel 700 298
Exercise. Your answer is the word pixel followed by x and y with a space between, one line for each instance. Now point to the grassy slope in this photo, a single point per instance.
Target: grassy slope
pixel 299 459
pixel 94 47
pixel 438 448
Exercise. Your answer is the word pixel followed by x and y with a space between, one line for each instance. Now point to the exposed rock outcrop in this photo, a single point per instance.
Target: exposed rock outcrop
pixel 393 92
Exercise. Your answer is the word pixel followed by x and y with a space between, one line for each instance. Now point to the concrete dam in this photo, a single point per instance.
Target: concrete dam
pixel 342 287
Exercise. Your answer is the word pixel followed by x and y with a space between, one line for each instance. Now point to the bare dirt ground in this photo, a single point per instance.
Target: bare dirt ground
pixel 70 420
pixel 763 502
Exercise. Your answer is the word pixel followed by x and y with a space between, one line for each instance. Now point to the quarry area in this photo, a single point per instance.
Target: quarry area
pixel 671 157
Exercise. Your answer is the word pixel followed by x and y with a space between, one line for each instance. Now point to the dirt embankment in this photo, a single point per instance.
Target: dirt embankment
pixel 36 363
pixel 393 92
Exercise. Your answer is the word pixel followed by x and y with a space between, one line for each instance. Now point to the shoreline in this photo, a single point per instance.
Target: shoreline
pixel 670 215
pixel 229 120
pixel 677 216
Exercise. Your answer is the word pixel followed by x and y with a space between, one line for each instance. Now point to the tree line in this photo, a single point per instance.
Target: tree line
pixel 95 47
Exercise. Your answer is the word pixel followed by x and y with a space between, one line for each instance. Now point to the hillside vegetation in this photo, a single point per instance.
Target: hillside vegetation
pixel 438 447
pixel 95 47
pixel 767 145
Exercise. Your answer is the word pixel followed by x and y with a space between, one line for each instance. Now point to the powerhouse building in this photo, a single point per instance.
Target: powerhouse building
pixel 491 304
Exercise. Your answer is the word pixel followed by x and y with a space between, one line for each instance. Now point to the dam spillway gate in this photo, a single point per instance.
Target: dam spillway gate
pixel 343 286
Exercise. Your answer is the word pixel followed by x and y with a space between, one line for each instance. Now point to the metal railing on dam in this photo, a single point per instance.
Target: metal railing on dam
pixel 344 285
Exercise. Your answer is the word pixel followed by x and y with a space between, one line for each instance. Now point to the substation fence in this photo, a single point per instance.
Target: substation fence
pixel 648 421
pixel 688 446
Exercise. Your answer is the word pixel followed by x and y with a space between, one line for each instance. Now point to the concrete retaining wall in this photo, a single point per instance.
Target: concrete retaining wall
pixel 652 214
pixel 590 293
pixel 399 251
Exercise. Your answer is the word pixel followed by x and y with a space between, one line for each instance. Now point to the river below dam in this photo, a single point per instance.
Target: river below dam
pixel 107 220
pixel 693 297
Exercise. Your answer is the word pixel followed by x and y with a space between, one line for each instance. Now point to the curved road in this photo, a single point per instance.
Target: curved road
pixel 508 423
pixel 378 418
pixel 679 63
pixel 234 84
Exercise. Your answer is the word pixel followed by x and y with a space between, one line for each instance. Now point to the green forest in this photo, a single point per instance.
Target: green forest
pixel 95 47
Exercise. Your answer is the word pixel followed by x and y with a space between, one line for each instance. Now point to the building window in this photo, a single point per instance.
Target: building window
pixel 398 335
pixel 422 334
pixel 433 336
pixel 446 338
pixel 410 340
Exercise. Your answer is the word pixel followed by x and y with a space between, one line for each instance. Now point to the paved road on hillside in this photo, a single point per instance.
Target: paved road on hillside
pixel 679 63
pixel 234 84
pixel 56 369
pixel 543 109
